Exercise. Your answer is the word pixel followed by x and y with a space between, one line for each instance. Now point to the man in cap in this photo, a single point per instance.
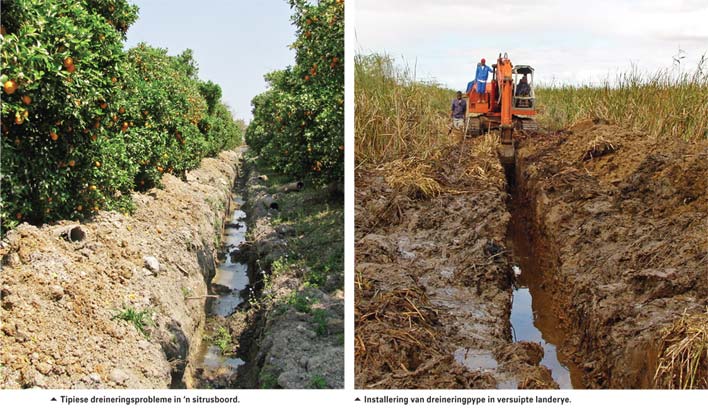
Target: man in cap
pixel 481 78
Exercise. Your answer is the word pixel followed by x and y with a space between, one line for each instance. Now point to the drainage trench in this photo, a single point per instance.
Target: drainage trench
pixel 535 312
pixel 228 289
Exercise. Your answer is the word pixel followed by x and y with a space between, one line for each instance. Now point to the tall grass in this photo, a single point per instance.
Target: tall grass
pixel 396 115
pixel 661 104
pixel 400 117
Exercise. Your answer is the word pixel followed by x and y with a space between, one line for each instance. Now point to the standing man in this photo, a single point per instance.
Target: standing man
pixel 457 113
pixel 481 78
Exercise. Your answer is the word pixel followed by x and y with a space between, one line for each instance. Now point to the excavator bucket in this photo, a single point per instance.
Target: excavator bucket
pixel 507 155
pixel 507 147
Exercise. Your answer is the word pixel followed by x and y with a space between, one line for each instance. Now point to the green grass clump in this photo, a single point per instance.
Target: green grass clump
pixel 316 219
pixel 268 380
pixel 222 339
pixel 140 319
pixel 300 302
pixel 318 382
pixel 319 316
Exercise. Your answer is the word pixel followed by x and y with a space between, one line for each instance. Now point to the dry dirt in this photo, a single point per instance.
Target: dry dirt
pixel 433 278
pixel 60 297
pixel 624 218
pixel 284 347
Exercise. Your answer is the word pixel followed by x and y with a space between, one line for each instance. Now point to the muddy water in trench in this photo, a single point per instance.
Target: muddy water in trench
pixel 230 285
pixel 533 317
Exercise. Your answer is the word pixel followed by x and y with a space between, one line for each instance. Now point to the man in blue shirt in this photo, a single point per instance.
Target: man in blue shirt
pixel 481 78
pixel 457 112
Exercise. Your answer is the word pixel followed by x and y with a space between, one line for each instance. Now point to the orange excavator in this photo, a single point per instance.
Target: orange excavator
pixel 508 103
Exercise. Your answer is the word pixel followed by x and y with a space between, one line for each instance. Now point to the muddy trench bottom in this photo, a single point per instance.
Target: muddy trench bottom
pixel 534 312
pixel 229 291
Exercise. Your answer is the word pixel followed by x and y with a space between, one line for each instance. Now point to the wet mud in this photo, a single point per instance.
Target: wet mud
pixel 534 313
pixel 218 361
pixel 434 279
pixel 572 276
pixel 624 217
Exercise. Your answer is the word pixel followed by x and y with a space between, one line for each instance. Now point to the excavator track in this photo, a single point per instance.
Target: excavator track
pixel 529 125
pixel 473 127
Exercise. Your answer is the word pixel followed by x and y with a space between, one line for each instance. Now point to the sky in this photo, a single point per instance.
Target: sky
pixel 234 42
pixel 566 41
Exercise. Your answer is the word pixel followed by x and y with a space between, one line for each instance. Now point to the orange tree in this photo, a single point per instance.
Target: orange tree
pixel 60 62
pixel 84 122
pixel 298 123
pixel 165 117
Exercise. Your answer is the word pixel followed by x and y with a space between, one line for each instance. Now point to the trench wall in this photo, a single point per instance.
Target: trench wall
pixel 62 300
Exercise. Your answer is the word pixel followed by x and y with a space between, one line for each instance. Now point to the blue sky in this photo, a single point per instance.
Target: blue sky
pixel 567 41
pixel 234 42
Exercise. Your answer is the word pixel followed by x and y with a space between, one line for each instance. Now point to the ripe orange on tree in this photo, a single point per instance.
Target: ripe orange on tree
pixel 93 41
pixel 10 87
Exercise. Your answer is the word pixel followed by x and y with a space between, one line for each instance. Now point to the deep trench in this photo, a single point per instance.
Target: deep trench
pixel 230 282
pixel 534 314
pixel 229 288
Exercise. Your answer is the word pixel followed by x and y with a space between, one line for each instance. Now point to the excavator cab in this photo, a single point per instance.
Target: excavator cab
pixel 524 96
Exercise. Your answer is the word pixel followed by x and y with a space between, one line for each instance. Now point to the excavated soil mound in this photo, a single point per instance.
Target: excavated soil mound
pixel 624 217
pixel 433 281
pixel 70 300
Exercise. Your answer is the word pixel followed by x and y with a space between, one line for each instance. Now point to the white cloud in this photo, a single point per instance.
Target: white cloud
pixel 569 41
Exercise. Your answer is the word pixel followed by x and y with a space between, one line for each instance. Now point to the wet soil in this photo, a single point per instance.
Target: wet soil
pixel 607 227
pixel 434 279
pixel 624 217
pixel 216 367
pixel 276 340
pixel 534 314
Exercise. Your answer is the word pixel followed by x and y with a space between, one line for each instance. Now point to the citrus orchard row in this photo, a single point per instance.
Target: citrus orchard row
pixel 298 124
pixel 85 122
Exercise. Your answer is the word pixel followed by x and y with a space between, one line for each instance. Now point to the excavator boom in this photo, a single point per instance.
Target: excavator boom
pixel 507 151
pixel 502 106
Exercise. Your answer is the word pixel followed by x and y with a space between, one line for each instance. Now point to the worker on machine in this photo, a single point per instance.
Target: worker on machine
pixel 481 78
pixel 457 112
pixel 523 89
